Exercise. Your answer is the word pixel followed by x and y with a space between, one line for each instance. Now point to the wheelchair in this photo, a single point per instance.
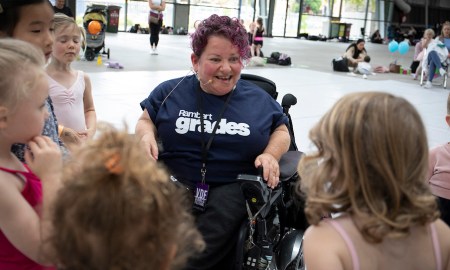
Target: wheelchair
pixel 444 65
pixel 272 236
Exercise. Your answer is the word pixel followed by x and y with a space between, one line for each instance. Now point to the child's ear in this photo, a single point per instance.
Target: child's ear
pixel 3 117
pixel 447 119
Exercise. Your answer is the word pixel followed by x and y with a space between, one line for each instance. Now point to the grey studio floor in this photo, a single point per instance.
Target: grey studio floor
pixel 117 92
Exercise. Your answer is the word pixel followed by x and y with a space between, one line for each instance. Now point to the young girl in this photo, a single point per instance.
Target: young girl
pixel 257 38
pixel 26 192
pixel 32 21
pixel 369 170
pixel 117 210
pixel 70 89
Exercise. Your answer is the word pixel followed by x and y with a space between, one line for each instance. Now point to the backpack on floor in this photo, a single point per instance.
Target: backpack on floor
pixel 284 60
pixel 340 64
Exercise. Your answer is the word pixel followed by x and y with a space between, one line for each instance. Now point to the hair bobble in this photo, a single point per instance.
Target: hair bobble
pixel 112 164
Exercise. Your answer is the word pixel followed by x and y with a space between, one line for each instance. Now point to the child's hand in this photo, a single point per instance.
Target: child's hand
pixel 70 136
pixel 43 157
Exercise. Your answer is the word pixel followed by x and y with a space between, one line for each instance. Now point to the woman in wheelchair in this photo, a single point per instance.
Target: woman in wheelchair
pixel 212 126
pixel 435 57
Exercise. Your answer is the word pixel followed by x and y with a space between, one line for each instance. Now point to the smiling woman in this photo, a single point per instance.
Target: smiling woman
pixel 210 133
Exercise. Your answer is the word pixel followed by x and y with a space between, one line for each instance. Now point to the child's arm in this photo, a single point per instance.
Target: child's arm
pixel 89 110
pixel 18 220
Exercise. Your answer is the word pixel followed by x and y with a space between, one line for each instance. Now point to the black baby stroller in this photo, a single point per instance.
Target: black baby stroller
pixel 94 22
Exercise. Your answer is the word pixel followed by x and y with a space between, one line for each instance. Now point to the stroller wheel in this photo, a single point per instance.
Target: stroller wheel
pixel 107 53
pixel 89 54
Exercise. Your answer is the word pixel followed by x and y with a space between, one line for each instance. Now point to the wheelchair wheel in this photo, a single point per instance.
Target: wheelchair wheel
pixel 89 54
pixel 241 245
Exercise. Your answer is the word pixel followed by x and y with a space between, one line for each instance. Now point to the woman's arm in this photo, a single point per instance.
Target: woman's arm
pixel 349 55
pixel 146 134
pixel 89 110
pixel 278 145
pixel 21 224
pixel 160 8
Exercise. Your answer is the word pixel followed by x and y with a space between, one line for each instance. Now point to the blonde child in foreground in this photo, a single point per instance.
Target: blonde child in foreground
pixel 70 89
pixel 370 169
pixel 439 173
pixel 117 210
pixel 26 192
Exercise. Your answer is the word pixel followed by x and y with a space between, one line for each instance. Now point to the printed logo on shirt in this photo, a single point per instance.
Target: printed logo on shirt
pixel 190 121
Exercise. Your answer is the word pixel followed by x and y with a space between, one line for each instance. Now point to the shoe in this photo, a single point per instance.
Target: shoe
pixel 364 76
pixel 428 85
pixel 155 51
pixel 442 71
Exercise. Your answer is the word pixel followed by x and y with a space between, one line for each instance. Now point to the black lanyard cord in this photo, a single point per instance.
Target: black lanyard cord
pixel 205 148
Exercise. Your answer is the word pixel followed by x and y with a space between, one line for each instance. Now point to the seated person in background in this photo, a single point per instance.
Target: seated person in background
pixel 445 35
pixel 117 210
pixel 182 114
pixel 355 53
pixel 436 53
pixel 369 172
pixel 376 37
pixel 416 67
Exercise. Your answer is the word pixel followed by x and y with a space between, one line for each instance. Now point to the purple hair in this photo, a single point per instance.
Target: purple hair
pixel 215 25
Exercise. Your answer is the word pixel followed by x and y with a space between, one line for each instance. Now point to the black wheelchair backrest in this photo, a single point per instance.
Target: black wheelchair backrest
pixel 266 84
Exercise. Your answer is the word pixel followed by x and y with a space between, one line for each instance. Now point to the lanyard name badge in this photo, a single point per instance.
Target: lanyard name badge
pixel 202 189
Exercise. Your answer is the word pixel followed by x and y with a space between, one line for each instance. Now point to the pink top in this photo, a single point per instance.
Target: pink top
pixel 351 247
pixel 68 102
pixel 439 171
pixel 10 257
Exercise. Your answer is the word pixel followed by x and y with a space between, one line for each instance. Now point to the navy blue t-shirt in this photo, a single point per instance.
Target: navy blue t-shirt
pixel 244 131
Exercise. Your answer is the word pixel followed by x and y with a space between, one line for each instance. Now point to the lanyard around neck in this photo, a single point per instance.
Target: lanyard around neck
pixel 205 147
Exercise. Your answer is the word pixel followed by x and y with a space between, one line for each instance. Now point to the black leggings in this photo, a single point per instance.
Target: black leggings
pixel 154 33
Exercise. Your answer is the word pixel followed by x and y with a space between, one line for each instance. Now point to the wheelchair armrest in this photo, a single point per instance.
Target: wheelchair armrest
pixel 288 164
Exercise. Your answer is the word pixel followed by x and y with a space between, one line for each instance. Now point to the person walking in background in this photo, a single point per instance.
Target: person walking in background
pixel 439 173
pixel 70 89
pixel 369 172
pixel 60 7
pixel 155 18
pixel 117 210
pixel 26 191
pixel 16 20
pixel 257 41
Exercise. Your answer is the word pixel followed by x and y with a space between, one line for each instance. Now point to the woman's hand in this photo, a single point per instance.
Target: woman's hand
pixel 271 169
pixel 150 146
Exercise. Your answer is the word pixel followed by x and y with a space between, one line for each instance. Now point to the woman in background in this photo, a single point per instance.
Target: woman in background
pixel 156 9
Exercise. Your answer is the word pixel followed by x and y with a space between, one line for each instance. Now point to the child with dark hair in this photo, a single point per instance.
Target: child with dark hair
pixel 364 67
pixel 32 21
pixel 118 210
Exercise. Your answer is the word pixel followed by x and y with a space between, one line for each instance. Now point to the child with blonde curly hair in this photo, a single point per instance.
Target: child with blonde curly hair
pixel 118 210
pixel 369 170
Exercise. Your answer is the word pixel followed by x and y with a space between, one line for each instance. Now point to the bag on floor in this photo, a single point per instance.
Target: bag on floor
pixel 340 64
pixel 284 60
